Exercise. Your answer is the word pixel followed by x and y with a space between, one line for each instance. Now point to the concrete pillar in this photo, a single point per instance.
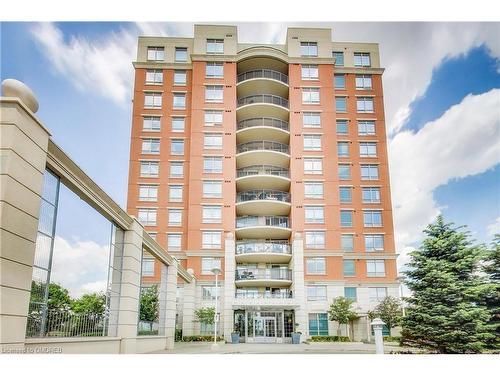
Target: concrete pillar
pixel 189 306
pixel 162 299
pixel 299 285
pixel 171 307
pixel 23 153
pixel 229 288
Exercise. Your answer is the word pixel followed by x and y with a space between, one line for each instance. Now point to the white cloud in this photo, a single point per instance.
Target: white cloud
pixel 493 228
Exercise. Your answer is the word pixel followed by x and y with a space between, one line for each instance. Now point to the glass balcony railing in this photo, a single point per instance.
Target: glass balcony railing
pixel 253 294
pixel 263 145
pixel 263 121
pixel 271 221
pixel 263 73
pixel 255 170
pixel 255 195
pixel 263 98
pixel 262 246
pixel 264 274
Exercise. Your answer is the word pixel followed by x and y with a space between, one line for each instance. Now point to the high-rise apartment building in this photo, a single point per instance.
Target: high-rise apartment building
pixel 268 161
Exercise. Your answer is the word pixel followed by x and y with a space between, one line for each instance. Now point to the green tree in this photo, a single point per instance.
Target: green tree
pixel 444 312
pixel 149 304
pixel 92 303
pixel 492 296
pixel 205 315
pixel 341 311
pixel 58 298
pixel 389 310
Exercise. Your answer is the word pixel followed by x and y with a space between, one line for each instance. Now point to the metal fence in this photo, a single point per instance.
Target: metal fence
pixel 264 274
pixel 263 73
pixel 251 221
pixel 263 194
pixel 263 169
pixel 263 121
pixel 263 145
pixel 263 98
pixel 253 294
pixel 262 246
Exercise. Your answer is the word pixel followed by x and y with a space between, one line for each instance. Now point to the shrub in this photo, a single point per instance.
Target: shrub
pixel 147 332
pixel 178 334
pixel 329 339
pixel 392 339
pixel 201 338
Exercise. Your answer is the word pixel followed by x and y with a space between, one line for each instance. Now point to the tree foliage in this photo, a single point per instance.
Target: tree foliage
pixel 149 304
pixel 491 268
pixel 92 303
pixel 205 315
pixel 389 310
pixel 58 298
pixel 341 311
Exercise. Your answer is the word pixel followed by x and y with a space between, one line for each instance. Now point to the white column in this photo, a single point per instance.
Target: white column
pixel 162 299
pixel 171 307
pixel 229 288
pixel 299 285
pixel 188 306
pixel 377 325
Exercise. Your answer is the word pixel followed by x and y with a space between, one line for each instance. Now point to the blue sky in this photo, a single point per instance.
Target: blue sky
pixel 442 110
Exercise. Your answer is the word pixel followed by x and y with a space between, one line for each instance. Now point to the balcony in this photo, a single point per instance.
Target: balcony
pixel 262 152
pixel 262 105
pixel 262 81
pixel 263 176
pixel 262 128
pixel 272 277
pixel 251 294
pixel 263 202
pixel 258 227
pixel 255 251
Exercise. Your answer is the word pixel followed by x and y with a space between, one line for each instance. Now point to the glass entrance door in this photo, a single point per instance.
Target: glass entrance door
pixel 264 329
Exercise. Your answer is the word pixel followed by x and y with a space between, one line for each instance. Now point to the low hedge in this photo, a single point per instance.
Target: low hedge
pixel 329 339
pixel 201 339
pixel 392 339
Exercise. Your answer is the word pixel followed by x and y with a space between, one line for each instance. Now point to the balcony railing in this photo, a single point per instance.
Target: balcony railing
pixel 264 274
pixel 255 170
pixel 272 247
pixel 271 221
pixel 263 73
pixel 262 145
pixel 263 121
pixel 263 98
pixel 257 195
pixel 251 294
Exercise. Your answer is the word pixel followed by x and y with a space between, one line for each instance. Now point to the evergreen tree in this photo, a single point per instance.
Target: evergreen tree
pixel 444 312
pixel 492 297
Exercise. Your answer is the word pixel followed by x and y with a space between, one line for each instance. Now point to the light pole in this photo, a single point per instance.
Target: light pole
pixel 401 279
pixel 216 272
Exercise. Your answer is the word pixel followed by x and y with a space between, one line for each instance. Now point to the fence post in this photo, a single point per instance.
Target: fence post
pixel 23 155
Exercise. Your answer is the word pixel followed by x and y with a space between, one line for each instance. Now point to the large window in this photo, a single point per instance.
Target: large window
pixel 349 267
pixel 176 169
pixel 150 169
pixel 215 46
pixel 309 72
pixel 214 94
pixel 147 216
pixel 150 146
pixel 369 172
pixel 368 149
pixel 151 123
pixel 313 166
pixel 343 149
pixel 175 193
pixel 174 217
pixel 372 218
pixel 177 146
pixel 345 194
pixel 318 324
pixel 316 293
pixel 366 127
pixel 316 266
pixel 212 189
pixel 212 214
pixel 152 100
pixel 212 164
pixel 179 101
pixel 350 293
pixel 374 242
pixel 208 264
pixel 214 70
pixel 364 105
pixel 148 193
pixel 345 218
pixel 313 190
pixel 154 77
pixel 309 49
pixel 148 266
pixel 181 54
pixel 178 124
pixel 344 171
pixel 375 267
pixel 314 214
pixel 312 142
pixel 174 241
pixel 339 58
pixel 339 81
pixel 211 240
pixel 315 239
pixel 213 117
pixel 342 127
pixel 209 292
pixel 156 53
pixel 340 104
pixel 310 95
pixel 362 59
pixel 364 82
pixel 371 194
pixel 377 294
pixel 347 242
pixel 311 119
pixel 180 78
pixel 212 141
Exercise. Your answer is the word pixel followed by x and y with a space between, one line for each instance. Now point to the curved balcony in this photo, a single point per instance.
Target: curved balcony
pixel 263 277
pixel 263 202
pixel 263 176
pixel 255 251
pixel 262 105
pixel 253 294
pixel 261 128
pixel 262 152
pixel 262 81
pixel 258 227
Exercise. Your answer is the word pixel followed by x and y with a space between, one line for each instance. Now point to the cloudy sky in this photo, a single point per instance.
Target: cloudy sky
pixel 442 102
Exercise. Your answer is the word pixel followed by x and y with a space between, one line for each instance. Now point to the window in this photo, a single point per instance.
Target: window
pixel 364 82
pixel 313 190
pixel 213 118
pixel 372 218
pixel 316 266
pixel 318 324
pixel 361 59
pixel 311 119
pixel 316 293
pixel 342 127
pixel 150 146
pixel 151 123
pixel 314 214
pixel 214 70
pixel 371 194
pixel 345 218
pixel 368 149
pixel 364 105
pixel 174 217
pixel 178 124
pixel 349 267
pixel 345 194
pixel 212 189
pixel 215 46
pixel 339 58
pixel 211 240
pixel 375 267
pixel 310 95
pixel 366 127
pixel 309 49
pixel 309 72
pixel 176 169
pixel 156 53
pixel 209 292
pixel 148 193
pixel 340 104
pixel 150 169
pixel 212 214
pixel 212 164
pixel 148 266
pixel 347 242
pixel 339 81
pixel 350 293
pixel 180 78
pixel 174 241
pixel 175 193
pixel 212 141
pixel 377 294
pixel 315 240
pixel 154 76
pixel 374 242
pixel 179 101
pixel 208 264
pixel 177 146
pixel 214 94
pixel 181 54
pixel 344 171
pixel 369 172
pixel 343 149
pixel 152 100
pixel 312 142
pixel 147 216
pixel 313 166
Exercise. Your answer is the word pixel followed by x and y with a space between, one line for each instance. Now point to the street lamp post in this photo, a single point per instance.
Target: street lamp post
pixel 216 272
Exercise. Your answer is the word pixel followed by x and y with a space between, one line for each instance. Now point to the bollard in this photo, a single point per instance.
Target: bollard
pixel 377 325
